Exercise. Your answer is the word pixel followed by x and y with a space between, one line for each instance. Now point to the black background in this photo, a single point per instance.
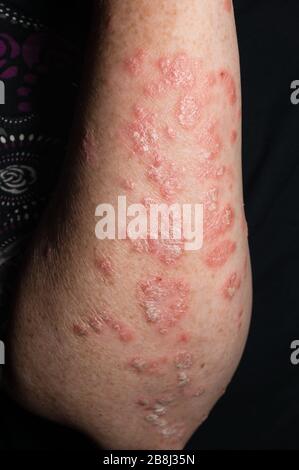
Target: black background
pixel 260 409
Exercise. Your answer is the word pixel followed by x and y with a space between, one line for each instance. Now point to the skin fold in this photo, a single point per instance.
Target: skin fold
pixel 134 341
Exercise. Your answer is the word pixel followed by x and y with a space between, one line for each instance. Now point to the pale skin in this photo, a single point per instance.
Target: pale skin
pixel 130 343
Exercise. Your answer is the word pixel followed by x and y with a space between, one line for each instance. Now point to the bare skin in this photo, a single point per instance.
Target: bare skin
pixel 134 342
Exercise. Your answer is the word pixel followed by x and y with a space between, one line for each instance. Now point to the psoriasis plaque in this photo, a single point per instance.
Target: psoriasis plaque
pixel 231 286
pixel 218 222
pixel 104 266
pixel 169 252
pixel 219 255
pixel 133 65
pixel 102 322
pixel 229 86
pixel 164 301
pixel 154 136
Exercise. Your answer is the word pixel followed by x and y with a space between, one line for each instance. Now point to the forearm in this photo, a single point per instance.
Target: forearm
pixel 142 334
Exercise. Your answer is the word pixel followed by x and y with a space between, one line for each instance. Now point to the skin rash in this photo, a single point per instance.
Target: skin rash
pixel 147 137
pixel 163 301
pixel 176 306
